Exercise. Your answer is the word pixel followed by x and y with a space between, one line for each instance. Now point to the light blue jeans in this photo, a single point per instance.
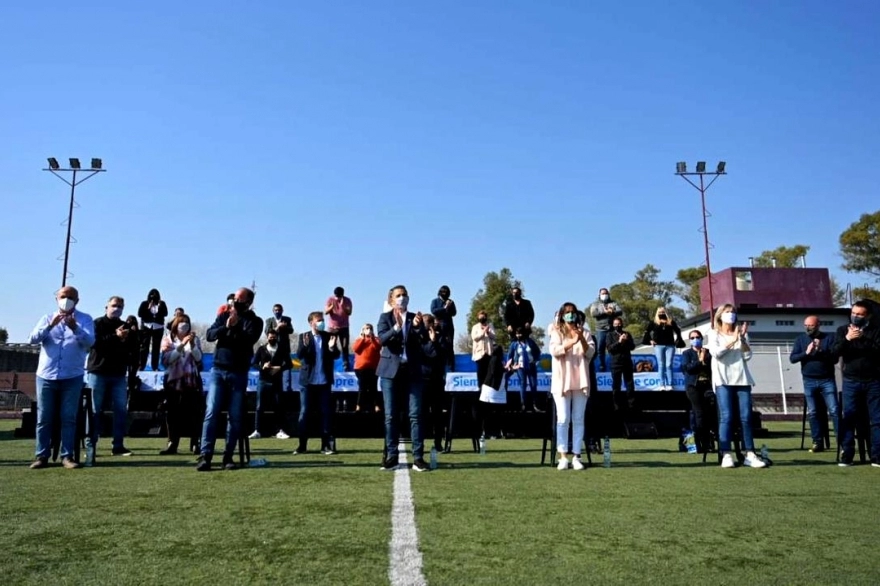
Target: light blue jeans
pixel 664 355
pixel 570 408
pixel 117 389
pixel 54 398
pixel 743 396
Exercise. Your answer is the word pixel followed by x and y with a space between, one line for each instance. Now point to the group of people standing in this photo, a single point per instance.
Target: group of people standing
pixel 406 359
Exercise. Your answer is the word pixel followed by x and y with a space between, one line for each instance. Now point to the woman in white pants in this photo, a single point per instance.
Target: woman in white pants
pixel 572 348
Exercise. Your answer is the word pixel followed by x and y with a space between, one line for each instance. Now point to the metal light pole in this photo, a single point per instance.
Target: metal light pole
pixel 75 168
pixel 681 171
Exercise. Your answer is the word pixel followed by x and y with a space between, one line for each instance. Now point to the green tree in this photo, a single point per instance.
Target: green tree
pixel 866 292
pixel 838 293
pixel 490 298
pixel 641 297
pixel 4 335
pixel 787 257
pixel 689 287
pixel 860 245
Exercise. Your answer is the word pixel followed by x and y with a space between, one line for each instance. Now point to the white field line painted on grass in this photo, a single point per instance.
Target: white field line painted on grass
pixel 405 567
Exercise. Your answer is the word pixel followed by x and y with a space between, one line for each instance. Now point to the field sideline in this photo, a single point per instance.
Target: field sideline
pixel 656 517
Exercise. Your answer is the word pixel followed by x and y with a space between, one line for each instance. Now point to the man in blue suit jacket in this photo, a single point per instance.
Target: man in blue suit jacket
pixel 317 351
pixel 404 339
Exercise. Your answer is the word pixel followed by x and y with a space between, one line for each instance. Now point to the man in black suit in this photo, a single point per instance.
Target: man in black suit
pixel 317 350
pixel 404 339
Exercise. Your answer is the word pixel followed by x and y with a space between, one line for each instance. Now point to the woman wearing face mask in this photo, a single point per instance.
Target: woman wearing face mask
pixel 664 335
pixel 181 357
pixel 733 382
pixel 366 358
pixel 696 363
pixel 152 312
pixel 571 348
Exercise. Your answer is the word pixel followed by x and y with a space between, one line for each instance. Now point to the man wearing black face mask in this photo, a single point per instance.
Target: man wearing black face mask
pixel 235 331
pixel 620 347
pixel 518 312
pixel 858 344
pixel 814 350
pixel 443 309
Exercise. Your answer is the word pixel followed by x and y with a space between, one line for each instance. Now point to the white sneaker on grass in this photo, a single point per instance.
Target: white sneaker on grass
pixel 255 435
pixel 727 461
pixel 753 461
pixel 563 463
pixel 576 463
pixel 281 435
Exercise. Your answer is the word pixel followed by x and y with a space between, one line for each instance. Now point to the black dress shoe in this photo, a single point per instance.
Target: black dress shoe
pixel 204 465
pixel 169 450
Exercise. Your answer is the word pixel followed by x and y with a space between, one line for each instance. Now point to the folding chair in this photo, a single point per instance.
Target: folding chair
pixel 550 437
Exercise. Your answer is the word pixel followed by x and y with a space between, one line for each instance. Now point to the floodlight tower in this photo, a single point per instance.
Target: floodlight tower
pixel 681 171
pixel 75 167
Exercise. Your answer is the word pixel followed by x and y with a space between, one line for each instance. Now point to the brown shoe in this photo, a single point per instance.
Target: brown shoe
pixel 69 464
pixel 39 463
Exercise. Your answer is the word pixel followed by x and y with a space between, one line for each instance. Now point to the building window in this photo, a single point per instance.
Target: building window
pixel 749 322
pixel 744 280
pixel 784 322
pixel 826 323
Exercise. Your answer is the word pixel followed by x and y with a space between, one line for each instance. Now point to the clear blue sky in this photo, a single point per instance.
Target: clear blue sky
pixel 309 145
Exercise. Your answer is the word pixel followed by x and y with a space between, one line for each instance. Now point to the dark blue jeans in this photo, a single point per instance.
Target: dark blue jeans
pixel 396 392
pixel 726 395
pixel 115 389
pixel 309 396
pixel 827 389
pixel 860 398
pixel 226 388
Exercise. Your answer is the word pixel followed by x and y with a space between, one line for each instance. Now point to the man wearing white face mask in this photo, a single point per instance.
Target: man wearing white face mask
pixel 65 337
pixel 107 365
pixel 404 340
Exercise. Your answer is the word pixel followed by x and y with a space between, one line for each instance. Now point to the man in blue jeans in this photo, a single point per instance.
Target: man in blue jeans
pixel 65 337
pixel 404 340
pixel 814 350
pixel 235 331
pixel 858 344
pixel 107 366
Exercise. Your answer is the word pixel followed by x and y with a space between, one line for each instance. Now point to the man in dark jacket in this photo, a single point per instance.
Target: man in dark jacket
pixel 696 363
pixel 858 344
pixel 814 350
pixel 107 366
pixel 620 345
pixel 518 312
pixel 443 309
pixel 317 350
pixel 273 361
pixel 235 331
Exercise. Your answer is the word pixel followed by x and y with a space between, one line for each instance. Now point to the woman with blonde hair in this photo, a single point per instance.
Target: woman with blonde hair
pixel 181 357
pixel 571 349
pixel 664 335
pixel 732 380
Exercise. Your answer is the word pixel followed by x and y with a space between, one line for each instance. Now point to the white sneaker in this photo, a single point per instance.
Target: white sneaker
pixel 563 463
pixel 576 463
pixel 753 461
pixel 255 435
pixel 281 435
pixel 727 461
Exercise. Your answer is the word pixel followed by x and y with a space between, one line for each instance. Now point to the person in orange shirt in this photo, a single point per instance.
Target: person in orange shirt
pixel 366 358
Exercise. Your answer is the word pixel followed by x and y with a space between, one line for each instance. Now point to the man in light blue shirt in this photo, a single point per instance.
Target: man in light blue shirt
pixel 66 336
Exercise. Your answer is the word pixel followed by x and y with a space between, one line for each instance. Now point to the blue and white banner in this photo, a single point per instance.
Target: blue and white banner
pixel 456 382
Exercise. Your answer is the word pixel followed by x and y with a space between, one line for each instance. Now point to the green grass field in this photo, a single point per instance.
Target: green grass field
pixel 656 517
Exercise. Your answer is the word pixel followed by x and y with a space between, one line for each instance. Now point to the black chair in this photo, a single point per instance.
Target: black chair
pixel 736 433
pixel 550 438
pixel 826 432
pixel 447 444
